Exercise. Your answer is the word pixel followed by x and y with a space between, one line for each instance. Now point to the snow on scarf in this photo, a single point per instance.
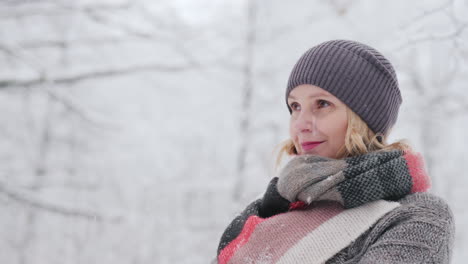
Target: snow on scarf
pixel 318 206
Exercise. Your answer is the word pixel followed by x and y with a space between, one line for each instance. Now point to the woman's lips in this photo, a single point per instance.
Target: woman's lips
pixel 310 145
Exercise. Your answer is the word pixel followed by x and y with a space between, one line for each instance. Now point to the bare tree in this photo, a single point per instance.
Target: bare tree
pixel 52 86
pixel 437 86
pixel 247 93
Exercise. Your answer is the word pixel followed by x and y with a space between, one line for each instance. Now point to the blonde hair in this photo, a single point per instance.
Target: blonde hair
pixel 359 140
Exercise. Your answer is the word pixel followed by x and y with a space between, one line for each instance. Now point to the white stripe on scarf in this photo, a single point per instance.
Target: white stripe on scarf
pixel 337 233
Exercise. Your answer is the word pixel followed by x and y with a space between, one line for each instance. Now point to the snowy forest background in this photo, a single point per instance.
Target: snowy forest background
pixel 133 131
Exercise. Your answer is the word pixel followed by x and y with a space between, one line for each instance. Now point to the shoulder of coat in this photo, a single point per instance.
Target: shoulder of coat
pixel 427 202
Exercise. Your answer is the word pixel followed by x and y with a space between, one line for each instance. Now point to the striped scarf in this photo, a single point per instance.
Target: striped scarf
pixel 317 206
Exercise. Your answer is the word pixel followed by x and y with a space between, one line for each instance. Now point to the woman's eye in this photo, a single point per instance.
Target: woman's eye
pixel 323 103
pixel 320 104
pixel 294 106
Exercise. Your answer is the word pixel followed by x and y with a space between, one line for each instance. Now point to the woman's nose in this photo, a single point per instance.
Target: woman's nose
pixel 305 122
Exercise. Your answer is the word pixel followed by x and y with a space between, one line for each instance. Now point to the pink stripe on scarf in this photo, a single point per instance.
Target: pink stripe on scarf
pixel 416 167
pixel 272 238
pixel 249 226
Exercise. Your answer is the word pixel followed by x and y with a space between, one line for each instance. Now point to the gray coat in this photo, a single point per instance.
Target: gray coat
pixel 420 231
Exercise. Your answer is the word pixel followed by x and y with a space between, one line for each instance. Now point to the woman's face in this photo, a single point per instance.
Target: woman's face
pixel 318 121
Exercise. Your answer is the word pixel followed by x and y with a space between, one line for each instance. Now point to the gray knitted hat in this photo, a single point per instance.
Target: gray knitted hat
pixel 355 73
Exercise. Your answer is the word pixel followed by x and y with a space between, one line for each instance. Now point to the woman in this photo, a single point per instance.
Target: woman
pixel 346 196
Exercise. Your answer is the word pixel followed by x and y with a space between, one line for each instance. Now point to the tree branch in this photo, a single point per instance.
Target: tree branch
pixel 427 13
pixel 449 36
pixel 34 202
pixel 77 110
pixel 91 75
